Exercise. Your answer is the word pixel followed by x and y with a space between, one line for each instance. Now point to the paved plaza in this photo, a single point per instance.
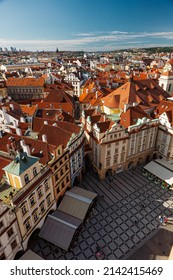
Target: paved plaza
pixel 125 216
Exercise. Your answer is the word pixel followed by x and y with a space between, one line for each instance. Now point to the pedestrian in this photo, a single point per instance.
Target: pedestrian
pixel 165 219
pixel 142 206
pixel 161 219
pixel 136 222
pixel 98 254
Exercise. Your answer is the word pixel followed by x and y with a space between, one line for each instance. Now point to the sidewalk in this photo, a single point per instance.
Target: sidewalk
pixel 158 247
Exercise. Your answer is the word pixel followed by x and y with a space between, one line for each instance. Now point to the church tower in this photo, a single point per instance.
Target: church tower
pixel 166 82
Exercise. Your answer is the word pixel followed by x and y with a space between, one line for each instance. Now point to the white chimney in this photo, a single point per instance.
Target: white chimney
pixel 18 131
pixel 45 122
pixel 87 90
pixel 126 106
pixel 15 123
pixel 11 107
pixel 8 129
pixel 25 147
pixel 22 119
pixel 96 94
pixel 54 124
pixel 44 138
pixel 22 142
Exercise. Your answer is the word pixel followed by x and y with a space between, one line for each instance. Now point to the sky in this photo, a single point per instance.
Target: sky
pixel 90 25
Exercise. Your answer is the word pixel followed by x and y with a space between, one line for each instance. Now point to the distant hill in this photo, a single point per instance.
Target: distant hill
pixel 159 49
pixel 148 50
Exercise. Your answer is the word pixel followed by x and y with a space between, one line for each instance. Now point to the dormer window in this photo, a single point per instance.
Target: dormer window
pixel 26 178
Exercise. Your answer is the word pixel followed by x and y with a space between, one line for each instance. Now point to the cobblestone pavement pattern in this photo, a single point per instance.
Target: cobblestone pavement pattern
pixel 125 216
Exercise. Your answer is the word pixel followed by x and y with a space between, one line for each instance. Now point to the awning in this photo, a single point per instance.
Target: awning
pixel 59 229
pixel 30 255
pixel 74 207
pixel 76 202
pixel 161 169
pixel 83 193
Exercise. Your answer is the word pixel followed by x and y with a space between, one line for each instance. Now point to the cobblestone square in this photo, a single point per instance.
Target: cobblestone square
pixel 118 222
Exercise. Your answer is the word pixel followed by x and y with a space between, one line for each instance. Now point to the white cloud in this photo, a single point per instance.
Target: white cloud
pixel 90 41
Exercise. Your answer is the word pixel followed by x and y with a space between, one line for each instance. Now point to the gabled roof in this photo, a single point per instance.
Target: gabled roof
pixel 54 114
pixel 104 126
pixel 28 110
pixel 131 116
pixel 37 147
pixel 55 135
pixel 3 162
pixel 69 127
pixel 166 107
pixel 67 107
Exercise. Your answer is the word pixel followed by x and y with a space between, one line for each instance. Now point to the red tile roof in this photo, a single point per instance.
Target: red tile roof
pixel 12 141
pixel 28 110
pixel 3 163
pixel 67 107
pixel 25 82
pixel 55 135
pixel 38 123
pixel 104 126
pixel 165 106
pixel 54 114
pixel 131 116
pixel 143 92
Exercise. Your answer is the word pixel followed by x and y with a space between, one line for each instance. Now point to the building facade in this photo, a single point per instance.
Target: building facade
pixel 60 167
pixel 25 88
pixel 120 145
pixel 108 143
pixel 10 238
pixel 29 193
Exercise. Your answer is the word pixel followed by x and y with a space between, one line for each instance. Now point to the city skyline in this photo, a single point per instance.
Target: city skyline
pixel 89 26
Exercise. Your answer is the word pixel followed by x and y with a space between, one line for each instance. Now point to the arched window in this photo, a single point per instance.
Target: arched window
pixel 26 179
pixel 35 171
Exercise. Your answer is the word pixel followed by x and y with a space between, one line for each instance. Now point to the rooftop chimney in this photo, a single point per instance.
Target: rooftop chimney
pixel 44 138
pixel 25 147
pixel 126 106
pixel 11 107
pixel 18 131
pixel 22 119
